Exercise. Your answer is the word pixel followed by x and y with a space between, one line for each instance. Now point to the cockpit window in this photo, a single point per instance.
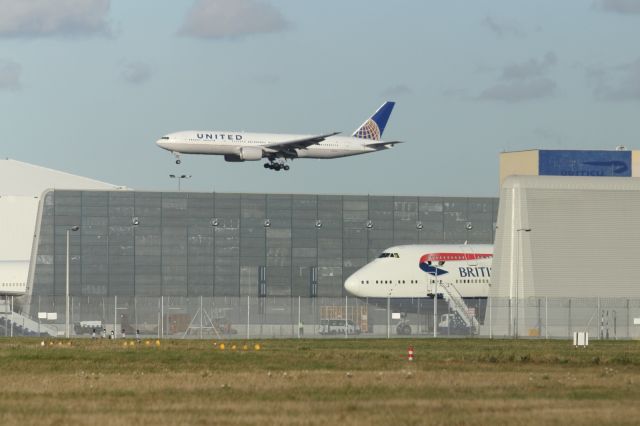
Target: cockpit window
pixel 395 255
pixel 165 137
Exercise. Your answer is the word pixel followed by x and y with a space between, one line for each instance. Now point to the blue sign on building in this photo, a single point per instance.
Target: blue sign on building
pixel 585 163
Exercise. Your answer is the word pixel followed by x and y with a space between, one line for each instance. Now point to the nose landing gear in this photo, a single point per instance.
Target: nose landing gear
pixel 175 154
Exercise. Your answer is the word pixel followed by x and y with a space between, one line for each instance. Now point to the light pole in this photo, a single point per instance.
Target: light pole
pixel 517 303
pixel 179 177
pixel 66 316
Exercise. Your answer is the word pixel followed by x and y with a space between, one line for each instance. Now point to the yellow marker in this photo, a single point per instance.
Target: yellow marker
pixel 257 347
pixel 157 342
pixel 245 348
pixel 124 344
pixel 222 346
pixel 146 342
pixel 233 347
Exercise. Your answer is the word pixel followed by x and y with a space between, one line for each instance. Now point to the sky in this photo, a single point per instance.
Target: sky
pixel 88 86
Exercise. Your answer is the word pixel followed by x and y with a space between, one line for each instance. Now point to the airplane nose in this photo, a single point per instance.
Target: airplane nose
pixel 351 284
pixel 162 142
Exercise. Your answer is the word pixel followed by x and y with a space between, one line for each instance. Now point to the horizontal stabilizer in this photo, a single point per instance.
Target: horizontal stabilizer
pixel 383 144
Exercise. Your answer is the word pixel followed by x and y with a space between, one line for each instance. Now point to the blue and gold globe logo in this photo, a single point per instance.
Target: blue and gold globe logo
pixel 369 130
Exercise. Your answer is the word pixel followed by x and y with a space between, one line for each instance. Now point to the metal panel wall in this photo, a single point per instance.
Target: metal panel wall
pixel 217 245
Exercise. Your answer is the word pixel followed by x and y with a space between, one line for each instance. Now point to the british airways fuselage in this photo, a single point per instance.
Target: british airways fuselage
pixel 412 271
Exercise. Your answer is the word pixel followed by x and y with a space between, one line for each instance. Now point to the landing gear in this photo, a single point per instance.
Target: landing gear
pixel 175 154
pixel 273 165
pixel 403 328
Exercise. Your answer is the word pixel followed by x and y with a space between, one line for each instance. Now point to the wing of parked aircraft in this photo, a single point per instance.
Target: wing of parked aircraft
pixel 296 143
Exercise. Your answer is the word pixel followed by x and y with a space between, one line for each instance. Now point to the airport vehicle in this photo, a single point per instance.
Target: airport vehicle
pixel 458 274
pixel 337 326
pixel 279 148
pixel 87 327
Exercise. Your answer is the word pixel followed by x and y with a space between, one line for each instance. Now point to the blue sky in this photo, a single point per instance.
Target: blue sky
pixel 87 86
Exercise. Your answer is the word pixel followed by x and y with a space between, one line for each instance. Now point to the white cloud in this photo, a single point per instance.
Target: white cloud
pixel 618 83
pixel 518 91
pixel 37 18
pixel 530 68
pixel 397 90
pixel 135 72
pixel 624 7
pixel 216 19
pixel 9 75
pixel 502 28
pixel 523 81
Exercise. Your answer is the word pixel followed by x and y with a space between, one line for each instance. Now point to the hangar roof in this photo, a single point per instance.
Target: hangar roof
pixel 24 179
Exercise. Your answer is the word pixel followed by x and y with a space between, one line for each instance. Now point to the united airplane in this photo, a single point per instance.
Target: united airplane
pixel 277 148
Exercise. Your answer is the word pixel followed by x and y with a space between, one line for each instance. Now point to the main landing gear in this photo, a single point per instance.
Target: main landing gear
pixel 403 328
pixel 276 166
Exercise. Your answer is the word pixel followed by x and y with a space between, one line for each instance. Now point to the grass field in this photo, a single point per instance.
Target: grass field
pixel 457 381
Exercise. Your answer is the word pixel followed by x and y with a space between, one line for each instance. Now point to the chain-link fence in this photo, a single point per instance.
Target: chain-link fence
pixel 300 317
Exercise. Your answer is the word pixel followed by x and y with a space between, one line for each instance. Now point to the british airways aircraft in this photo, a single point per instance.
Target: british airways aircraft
pixel 411 271
pixel 459 277
pixel 278 148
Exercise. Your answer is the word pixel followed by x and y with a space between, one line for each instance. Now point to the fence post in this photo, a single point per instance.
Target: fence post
pixel 490 318
pixel 346 316
pixel 569 330
pixel 248 315
pixel 600 321
pixel 546 317
pixel 510 317
pixel 115 316
pixel 628 319
pixel 299 318
pixel 388 317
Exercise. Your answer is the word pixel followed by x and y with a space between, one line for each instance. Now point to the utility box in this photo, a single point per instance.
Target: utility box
pixel 580 338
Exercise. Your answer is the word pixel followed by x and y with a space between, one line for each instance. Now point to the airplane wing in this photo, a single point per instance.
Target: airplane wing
pixel 383 144
pixel 296 143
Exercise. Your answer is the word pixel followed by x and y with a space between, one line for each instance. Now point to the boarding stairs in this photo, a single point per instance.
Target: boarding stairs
pixel 22 325
pixel 456 302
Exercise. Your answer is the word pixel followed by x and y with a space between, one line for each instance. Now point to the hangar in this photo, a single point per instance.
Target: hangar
pixel 142 243
pixel 571 243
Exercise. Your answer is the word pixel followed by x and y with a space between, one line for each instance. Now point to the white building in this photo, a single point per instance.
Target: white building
pixel 22 186
pixel 565 237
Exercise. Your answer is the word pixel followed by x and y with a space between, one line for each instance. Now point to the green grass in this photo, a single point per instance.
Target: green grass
pixel 453 381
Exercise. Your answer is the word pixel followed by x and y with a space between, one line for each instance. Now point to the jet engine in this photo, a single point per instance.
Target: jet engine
pixel 245 154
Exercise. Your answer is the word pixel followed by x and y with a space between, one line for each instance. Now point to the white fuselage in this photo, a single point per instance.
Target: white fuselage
pixel 231 143
pixel 411 271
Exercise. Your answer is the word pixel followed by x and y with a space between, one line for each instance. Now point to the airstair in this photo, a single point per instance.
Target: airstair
pixel 457 304
pixel 16 324
pixel 25 326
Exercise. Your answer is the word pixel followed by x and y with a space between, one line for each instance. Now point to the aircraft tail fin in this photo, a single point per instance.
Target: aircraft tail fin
pixel 374 126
